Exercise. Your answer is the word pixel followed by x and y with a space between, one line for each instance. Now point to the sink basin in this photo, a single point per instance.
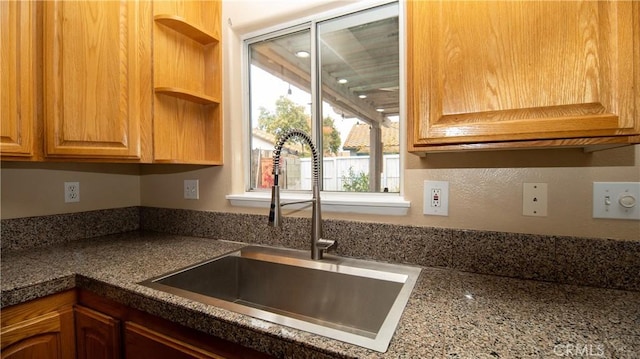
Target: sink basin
pixel 355 301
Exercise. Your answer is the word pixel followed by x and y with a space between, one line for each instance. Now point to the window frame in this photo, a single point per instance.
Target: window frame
pixel 344 202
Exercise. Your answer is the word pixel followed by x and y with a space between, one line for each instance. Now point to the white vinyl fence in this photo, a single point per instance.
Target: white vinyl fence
pixel 335 168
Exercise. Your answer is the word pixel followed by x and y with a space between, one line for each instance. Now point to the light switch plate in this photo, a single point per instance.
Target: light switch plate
pixel 619 200
pixel 436 198
pixel 191 189
pixel 534 199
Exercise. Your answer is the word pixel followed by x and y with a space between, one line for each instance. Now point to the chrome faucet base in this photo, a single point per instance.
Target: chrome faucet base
pixel 322 245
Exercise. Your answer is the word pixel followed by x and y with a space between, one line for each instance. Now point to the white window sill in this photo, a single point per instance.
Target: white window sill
pixel 370 203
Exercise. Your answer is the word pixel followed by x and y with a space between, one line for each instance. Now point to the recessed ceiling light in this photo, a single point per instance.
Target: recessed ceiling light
pixel 303 54
pixel 362 96
pixel 380 109
pixel 342 81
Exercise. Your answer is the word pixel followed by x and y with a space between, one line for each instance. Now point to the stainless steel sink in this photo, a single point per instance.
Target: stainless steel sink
pixel 356 301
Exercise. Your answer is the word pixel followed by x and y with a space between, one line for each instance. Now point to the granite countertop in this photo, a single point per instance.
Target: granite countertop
pixel 450 313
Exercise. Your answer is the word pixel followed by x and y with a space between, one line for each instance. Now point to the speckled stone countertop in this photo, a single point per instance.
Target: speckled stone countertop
pixel 450 314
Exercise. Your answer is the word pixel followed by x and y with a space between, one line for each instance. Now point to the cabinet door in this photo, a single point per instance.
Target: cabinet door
pixel 141 342
pixel 46 336
pixel 97 335
pixel 97 78
pixel 18 76
pixel 522 71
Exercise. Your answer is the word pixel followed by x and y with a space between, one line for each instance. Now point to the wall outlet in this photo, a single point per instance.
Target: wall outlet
pixel 71 192
pixel 534 199
pixel 436 198
pixel 191 189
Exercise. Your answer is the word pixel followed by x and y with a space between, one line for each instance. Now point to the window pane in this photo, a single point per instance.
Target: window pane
pixel 359 62
pixel 280 97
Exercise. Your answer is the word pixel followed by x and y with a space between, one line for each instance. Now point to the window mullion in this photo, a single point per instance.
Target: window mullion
pixel 375 156
pixel 316 102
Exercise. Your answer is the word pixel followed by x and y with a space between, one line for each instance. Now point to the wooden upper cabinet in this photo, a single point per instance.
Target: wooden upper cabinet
pixel 97 79
pixel 18 74
pixel 522 74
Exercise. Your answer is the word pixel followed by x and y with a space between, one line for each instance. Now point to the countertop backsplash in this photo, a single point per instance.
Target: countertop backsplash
pixel 598 262
pixel 28 232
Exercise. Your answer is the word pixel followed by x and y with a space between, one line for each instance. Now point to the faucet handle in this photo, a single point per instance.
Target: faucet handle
pixel 325 244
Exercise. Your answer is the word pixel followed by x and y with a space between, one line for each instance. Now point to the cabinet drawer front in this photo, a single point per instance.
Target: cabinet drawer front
pixel 141 342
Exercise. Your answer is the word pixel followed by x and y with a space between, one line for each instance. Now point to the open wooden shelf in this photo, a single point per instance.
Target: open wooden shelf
pixel 187 95
pixel 180 25
pixel 187 132
pixel 187 77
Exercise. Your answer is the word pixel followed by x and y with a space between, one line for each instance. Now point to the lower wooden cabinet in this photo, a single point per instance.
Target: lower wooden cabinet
pixel 42 328
pixel 97 335
pixel 106 329
pixel 141 341
pixel 83 325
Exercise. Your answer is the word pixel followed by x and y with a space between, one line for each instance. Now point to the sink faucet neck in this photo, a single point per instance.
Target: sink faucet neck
pixel 318 245
pixel 278 149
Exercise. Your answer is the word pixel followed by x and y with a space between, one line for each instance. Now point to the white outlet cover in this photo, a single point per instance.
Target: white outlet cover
pixel 534 199
pixel 618 200
pixel 443 209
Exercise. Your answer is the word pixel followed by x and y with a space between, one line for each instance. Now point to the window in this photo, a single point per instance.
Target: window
pixel 343 70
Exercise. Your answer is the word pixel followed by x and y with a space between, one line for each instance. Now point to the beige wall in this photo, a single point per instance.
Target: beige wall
pixel 484 198
pixel 37 189
pixel 486 187
pixel 489 197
